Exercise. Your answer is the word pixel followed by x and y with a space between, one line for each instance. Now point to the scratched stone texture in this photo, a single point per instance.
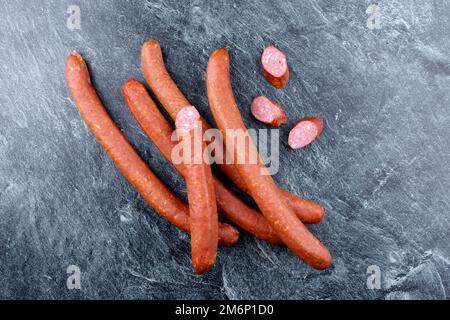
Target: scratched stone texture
pixel 381 167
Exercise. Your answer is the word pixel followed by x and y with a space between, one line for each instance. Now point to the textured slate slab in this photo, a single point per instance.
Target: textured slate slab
pixel 381 168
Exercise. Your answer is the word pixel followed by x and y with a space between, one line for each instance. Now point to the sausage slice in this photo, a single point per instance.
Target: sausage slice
pixel 305 132
pixel 268 111
pixel 275 67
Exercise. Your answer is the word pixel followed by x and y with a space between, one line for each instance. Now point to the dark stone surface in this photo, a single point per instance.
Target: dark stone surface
pixel 381 167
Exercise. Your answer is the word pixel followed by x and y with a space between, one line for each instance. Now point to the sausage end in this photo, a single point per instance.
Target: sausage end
pixel 220 53
pixel 131 84
pixel 228 235
pixel 75 61
pixel 324 262
pixel 151 44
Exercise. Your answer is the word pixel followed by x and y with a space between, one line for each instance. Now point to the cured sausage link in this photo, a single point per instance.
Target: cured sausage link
pixel 172 99
pixel 262 187
pixel 159 131
pixel 124 156
pixel 200 189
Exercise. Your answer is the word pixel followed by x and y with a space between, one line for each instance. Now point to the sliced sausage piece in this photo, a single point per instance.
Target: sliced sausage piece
pixel 200 190
pixel 305 132
pixel 275 67
pixel 268 111
pixel 262 187
pixel 159 131
pixel 124 156
pixel 173 100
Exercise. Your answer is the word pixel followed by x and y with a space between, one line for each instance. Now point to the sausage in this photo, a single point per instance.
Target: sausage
pixel 305 132
pixel 228 235
pixel 275 67
pixel 172 99
pixel 159 131
pixel 268 111
pixel 200 189
pixel 124 156
pixel 262 187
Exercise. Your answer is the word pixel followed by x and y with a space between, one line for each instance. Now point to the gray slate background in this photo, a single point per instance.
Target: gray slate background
pixel 381 167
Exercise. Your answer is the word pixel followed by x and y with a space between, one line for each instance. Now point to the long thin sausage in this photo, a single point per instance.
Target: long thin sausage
pixel 124 156
pixel 159 131
pixel 172 99
pixel 262 187
pixel 200 189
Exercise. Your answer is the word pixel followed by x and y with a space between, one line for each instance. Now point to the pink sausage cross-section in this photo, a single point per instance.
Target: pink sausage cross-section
pixel 305 132
pixel 275 67
pixel 268 111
